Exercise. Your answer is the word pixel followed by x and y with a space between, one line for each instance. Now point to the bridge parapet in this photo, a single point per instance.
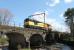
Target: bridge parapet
pixel 25 31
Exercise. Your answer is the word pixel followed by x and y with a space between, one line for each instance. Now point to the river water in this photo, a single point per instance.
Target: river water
pixel 56 46
pixel 59 46
pixel 66 48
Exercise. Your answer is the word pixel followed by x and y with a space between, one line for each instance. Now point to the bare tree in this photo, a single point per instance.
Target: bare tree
pixel 5 16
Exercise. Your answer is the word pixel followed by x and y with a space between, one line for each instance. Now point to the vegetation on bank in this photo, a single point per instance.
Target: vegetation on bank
pixel 3 40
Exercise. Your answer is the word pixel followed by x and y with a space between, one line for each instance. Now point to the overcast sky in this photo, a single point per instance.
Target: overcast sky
pixel 54 10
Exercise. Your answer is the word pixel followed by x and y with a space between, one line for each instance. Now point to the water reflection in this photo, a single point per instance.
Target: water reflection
pixel 56 46
pixel 59 46
pixel 66 48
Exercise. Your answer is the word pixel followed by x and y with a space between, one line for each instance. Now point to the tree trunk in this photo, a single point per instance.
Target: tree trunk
pixel 71 26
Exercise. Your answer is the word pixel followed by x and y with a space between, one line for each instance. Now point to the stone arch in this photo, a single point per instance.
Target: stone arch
pixel 36 41
pixel 15 39
pixel 49 38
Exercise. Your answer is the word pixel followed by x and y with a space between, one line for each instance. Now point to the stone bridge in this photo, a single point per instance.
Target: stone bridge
pixel 18 36
pixel 27 32
pixel 36 38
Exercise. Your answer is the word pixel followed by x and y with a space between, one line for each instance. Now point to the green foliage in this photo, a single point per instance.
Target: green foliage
pixel 3 40
pixel 68 38
pixel 69 15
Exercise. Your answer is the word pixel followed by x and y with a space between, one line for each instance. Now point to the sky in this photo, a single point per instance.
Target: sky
pixel 54 10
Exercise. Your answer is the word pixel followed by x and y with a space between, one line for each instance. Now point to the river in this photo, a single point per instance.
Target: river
pixel 59 46
pixel 56 46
